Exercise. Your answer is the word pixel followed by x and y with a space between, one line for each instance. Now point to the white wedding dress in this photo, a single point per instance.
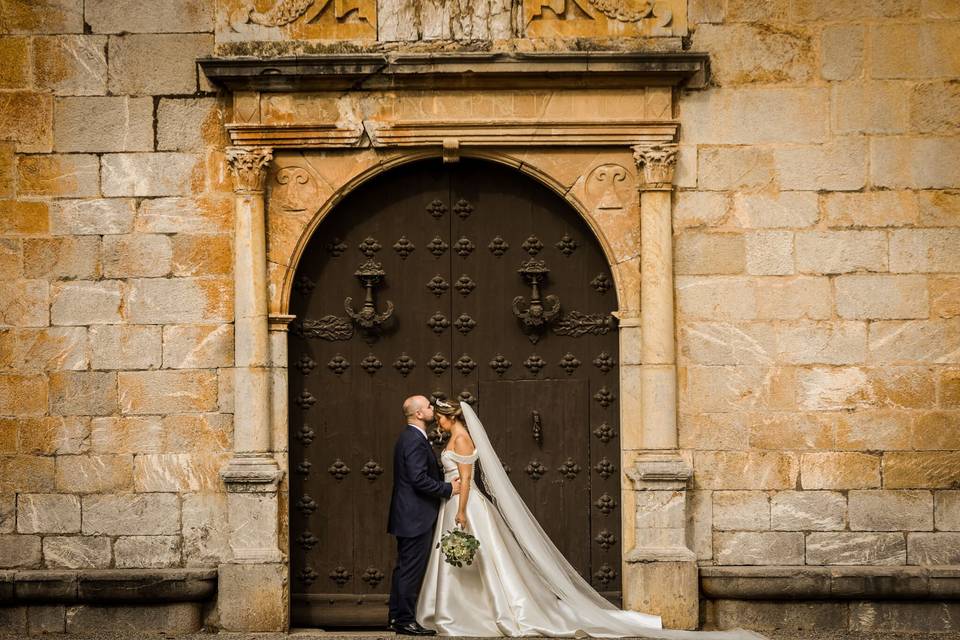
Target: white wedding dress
pixel 519 584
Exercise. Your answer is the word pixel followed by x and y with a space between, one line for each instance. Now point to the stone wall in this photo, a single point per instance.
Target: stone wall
pixel 817 245
pixel 116 335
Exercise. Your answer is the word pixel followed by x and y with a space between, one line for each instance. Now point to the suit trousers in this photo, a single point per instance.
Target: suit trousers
pixel 412 556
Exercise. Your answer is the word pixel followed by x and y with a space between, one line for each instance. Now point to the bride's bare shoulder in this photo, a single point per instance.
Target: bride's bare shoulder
pixel 463 444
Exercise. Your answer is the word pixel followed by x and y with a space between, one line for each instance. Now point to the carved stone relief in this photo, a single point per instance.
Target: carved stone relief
pixel 240 20
pixel 598 18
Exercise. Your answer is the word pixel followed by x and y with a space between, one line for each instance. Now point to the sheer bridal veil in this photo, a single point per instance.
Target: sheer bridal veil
pixel 597 615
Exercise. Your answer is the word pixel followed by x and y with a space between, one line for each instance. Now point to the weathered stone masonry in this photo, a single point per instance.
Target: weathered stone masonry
pixel 795 286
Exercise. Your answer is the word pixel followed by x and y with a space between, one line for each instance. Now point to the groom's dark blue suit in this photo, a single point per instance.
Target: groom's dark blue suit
pixel 418 488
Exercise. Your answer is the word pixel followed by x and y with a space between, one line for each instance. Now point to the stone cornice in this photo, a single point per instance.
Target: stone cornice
pixel 373 71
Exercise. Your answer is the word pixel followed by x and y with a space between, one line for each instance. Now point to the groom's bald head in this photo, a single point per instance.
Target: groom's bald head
pixel 413 404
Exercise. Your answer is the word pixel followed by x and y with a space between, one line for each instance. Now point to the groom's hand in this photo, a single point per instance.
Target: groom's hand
pixel 456 486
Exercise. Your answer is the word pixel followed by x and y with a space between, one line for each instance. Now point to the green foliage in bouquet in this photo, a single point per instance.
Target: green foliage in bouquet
pixel 458 547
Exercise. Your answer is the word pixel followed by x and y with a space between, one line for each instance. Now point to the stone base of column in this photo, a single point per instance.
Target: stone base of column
pixel 668 589
pixel 253 597
pixel 251 481
pixel 661 569
pixel 252 472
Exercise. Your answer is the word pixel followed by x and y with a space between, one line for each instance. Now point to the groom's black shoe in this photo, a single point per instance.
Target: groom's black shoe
pixel 412 629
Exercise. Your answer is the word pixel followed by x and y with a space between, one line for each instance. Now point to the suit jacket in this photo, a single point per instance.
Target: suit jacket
pixel 418 485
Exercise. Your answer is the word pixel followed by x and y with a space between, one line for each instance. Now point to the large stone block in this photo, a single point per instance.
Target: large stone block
pixel 175 618
pixel 49 16
pixel 699 209
pixel 708 431
pixel 48 513
pixel 61 258
pixel 773 616
pixel 76 552
pixel 784 431
pixel 8 512
pixel 178 472
pixel 148 174
pixel 188 124
pixel 847 547
pixel 935 107
pixel 125 347
pixel 27 119
pixel 808 511
pixel 137 255
pixel 197 346
pixel 937 549
pixel 717 117
pixel 202 255
pixel 936 430
pixel 737 388
pixel 909 617
pixel 253 597
pixel 822 388
pixel 127 434
pixel 97 124
pixel 206 536
pixel 55 348
pixel 192 432
pixel 185 215
pixel 744 470
pixel 94 473
pixel 722 343
pixel 944 296
pixel 934 50
pixel 749 168
pixel 179 300
pixel 873 430
pixel 912 388
pixel 784 209
pixel 925 250
pixel 145 392
pixel 758 548
pixel 15 52
pixel 869 107
pixel 71 65
pixel 898 162
pixel 131 514
pixel 67 175
pixel 921 469
pixel 54 435
pixel 129 16
pixel 841 251
pixel 871 209
pixel 19 552
pixel 26 474
pixel 805 342
pixel 23 217
pixel 839 470
pixel 709 253
pixel 794 298
pixel 891 510
pixel 946 505
pixel 91 217
pixel 46 618
pixel 841 51
pixel 741 510
pixel 666 589
pixel 716 298
pixel 914 341
pixel 840 165
pixel 83 393
pixel 23 395
pixel 777 53
pixel 147 64
pixel 882 297
pixel 939 208
pixel 146 552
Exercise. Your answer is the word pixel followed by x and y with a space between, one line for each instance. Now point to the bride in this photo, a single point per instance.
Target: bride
pixel 519 584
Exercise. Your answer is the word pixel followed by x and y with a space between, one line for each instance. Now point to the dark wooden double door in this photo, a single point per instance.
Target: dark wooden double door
pixel 443 244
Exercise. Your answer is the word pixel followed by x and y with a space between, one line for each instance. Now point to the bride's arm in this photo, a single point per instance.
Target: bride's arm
pixel 463 447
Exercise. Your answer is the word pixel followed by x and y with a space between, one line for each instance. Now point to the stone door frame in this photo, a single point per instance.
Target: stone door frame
pixel 654 537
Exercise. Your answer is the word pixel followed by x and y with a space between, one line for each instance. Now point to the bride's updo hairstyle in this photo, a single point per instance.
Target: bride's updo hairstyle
pixel 452 411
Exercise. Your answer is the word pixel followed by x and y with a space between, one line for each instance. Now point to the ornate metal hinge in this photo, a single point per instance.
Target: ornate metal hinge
pixel 536 316
pixel 368 320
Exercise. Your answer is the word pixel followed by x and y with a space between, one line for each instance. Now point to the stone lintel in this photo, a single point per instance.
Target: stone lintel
pixel 280 321
pixel 459 70
pixel 831 583
pixel 660 471
pixel 251 474
pixel 108 585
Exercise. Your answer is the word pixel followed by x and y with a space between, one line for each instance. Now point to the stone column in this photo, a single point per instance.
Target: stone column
pixel 252 593
pixel 661 567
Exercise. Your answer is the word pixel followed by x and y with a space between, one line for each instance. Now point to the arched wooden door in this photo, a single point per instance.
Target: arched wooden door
pixel 456 250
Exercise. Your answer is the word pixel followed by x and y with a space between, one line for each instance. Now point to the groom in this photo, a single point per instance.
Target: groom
pixel 418 488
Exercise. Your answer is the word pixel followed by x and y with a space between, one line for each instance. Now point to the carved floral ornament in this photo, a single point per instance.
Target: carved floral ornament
pixel 249 167
pixel 656 162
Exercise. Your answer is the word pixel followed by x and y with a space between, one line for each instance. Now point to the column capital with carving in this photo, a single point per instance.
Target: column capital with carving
pixel 656 163
pixel 248 165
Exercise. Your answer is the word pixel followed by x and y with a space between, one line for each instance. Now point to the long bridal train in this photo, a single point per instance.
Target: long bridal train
pixel 520 583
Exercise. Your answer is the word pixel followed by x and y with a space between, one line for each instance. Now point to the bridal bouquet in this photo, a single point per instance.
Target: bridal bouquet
pixel 458 547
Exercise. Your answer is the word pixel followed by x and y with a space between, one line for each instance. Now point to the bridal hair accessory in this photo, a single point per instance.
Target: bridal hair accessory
pixel 458 547
pixel 441 403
